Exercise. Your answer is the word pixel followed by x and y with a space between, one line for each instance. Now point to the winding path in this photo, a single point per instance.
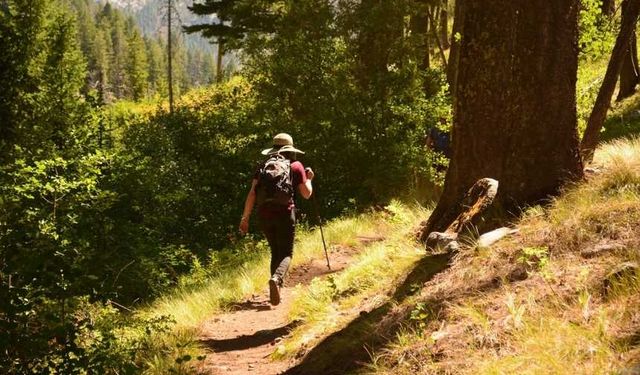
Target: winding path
pixel 242 340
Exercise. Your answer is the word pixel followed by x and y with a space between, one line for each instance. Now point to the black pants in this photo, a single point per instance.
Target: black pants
pixel 280 232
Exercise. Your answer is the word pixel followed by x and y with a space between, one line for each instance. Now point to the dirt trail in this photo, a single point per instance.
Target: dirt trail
pixel 241 341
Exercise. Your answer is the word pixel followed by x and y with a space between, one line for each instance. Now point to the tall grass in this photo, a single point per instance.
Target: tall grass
pixel 329 304
pixel 560 319
pixel 548 345
pixel 237 273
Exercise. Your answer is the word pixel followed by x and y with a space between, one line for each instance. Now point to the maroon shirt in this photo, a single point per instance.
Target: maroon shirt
pixel 298 176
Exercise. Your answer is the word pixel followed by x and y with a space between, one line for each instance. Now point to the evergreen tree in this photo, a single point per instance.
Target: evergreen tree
pixel 236 19
pixel 21 23
pixel 157 68
pixel 138 67
pixel 120 57
pixel 100 63
pixel 64 73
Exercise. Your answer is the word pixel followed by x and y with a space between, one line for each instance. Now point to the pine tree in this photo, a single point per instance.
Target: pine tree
pixel 235 19
pixel 138 66
pixel 64 74
pixel 157 68
pixel 42 70
pixel 119 59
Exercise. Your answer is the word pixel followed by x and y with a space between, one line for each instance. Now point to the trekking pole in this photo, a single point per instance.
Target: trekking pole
pixel 315 206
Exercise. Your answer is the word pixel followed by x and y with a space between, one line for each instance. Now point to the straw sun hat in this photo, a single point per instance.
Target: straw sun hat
pixel 282 143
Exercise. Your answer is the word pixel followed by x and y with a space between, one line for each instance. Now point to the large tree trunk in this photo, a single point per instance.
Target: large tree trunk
pixel 515 107
pixel 629 77
pixel 630 10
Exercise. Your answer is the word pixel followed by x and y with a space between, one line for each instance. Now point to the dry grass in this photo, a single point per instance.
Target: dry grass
pixel 529 304
pixel 327 305
pixel 532 304
pixel 320 306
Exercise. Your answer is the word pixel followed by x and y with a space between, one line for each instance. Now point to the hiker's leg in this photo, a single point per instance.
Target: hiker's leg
pixel 270 231
pixel 286 235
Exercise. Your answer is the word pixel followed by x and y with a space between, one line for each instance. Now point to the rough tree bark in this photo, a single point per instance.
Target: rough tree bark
pixel 629 77
pixel 515 108
pixel 630 11
pixel 475 202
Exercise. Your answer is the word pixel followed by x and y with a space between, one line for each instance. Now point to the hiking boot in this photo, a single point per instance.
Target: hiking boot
pixel 274 290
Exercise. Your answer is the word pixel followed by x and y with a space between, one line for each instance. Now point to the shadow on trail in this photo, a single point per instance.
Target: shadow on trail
pixel 248 341
pixel 346 350
pixel 251 305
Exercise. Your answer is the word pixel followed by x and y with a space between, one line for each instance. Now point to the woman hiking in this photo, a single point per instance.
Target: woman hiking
pixel 273 189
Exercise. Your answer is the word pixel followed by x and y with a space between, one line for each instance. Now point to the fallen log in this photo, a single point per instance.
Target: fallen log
pixel 479 197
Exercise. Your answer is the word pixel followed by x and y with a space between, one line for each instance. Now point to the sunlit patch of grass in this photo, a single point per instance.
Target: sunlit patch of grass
pixel 342 232
pixel 174 353
pixel 623 119
pixel 330 303
pixel 473 314
pixel 244 271
pixel 547 344
pixel 622 160
pixel 559 317
pixel 606 206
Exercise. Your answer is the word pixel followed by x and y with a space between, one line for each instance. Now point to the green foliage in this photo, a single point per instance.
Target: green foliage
pixel 77 337
pixel 596 31
pixel 597 34
pixel 185 176
pixel 534 257
pixel 421 315
pixel 344 82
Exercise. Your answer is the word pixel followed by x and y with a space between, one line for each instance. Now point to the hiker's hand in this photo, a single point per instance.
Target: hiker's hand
pixel 309 173
pixel 244 226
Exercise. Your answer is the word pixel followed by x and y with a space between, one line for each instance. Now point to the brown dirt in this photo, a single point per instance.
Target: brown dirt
pixel 242 340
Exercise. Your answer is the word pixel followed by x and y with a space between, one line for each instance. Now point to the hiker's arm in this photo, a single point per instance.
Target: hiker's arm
pixel 305 188
pixel 248 207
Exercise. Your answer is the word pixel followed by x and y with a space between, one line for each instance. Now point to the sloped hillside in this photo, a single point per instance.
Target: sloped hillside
pixel 561 296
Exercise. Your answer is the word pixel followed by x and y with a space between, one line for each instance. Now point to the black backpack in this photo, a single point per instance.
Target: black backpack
pixel 274 181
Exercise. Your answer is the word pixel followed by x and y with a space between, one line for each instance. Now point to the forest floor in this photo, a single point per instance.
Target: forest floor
pixel 243 340
pixel 558 296
pixel 540 301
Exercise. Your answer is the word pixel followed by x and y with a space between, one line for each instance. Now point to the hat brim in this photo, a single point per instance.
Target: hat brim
pixel 286 148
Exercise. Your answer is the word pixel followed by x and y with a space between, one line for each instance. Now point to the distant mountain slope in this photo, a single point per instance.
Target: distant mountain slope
pixel 132 5
pixel 150 15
